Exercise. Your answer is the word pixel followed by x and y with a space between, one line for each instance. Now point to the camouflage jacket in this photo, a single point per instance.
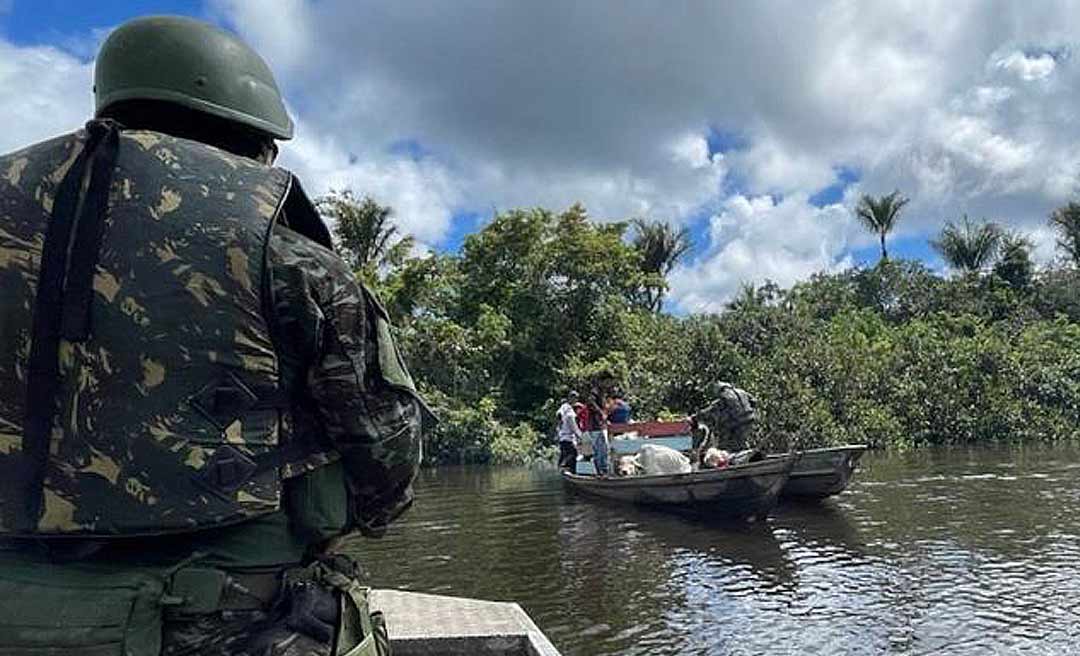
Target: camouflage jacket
pixel 730 419
pixel 174 343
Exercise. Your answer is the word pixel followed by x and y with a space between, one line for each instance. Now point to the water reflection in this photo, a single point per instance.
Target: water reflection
pixel 964 552
pixel 818 524
pixel 629 568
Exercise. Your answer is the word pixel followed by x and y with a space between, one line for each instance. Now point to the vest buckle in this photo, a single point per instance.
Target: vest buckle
pixel 228 469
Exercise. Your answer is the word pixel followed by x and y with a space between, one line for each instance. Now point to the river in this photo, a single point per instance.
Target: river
pixel 937 552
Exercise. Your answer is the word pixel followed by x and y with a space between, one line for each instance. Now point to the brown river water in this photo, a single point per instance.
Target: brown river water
pixel 943 552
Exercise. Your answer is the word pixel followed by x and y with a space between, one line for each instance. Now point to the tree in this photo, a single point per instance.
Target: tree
pixel 1066 222
pixel 747 299
pixel 968 246
pixel 879 215
pixel 366 232
pixel 1014 264
pixel 561 280
pixel 661 246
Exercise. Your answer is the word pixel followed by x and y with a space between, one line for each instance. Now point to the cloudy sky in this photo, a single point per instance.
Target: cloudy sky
pixel 755 123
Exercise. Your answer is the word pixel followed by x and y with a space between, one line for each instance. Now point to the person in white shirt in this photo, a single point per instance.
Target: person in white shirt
pixel 569 432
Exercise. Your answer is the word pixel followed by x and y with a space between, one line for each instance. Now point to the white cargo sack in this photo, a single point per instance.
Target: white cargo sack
pixel 656 459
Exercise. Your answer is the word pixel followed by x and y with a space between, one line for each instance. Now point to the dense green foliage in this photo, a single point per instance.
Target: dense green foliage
pixel 896 356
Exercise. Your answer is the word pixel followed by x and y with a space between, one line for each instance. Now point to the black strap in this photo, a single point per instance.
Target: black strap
pixel 79 289
pixel 43 376
pixel 303 217
pixel 230 468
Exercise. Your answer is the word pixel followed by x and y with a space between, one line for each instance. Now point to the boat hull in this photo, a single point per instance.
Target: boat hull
pixel 741 492
pixel 822 472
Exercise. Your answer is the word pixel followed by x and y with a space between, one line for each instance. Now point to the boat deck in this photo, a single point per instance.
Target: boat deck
pixel 436 625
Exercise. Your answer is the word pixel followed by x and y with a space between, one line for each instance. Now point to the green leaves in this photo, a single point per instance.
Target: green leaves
pixel 538 302
pixel 1065 221
pixel 969 246
pixel 1014 265
pixel 660 246
pixel 365 232
pixel 879 215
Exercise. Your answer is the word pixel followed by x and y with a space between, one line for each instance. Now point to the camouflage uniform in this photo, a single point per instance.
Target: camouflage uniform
pixel 274 631
pixel 188 358
pixel 726 422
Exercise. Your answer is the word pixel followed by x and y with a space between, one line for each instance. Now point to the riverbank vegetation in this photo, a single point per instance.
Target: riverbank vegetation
pixel 893 355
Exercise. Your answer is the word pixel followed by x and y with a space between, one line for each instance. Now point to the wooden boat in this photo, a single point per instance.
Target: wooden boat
pixel 822 472
pixel 746 491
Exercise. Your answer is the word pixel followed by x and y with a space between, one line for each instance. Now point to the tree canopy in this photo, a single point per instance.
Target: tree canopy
pixel 538 302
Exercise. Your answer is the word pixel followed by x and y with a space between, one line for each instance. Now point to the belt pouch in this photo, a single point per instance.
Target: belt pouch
pixel 52 610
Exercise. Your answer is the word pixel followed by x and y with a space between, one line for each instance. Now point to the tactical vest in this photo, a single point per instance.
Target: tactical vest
pixel 141 391
pixel 730 417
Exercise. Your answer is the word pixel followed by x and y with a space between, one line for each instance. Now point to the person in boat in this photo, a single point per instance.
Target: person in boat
pixel 200 398
pixel 582 412
pixel 569 432
pixel 598 422
pixel 619 410
pixel 726 423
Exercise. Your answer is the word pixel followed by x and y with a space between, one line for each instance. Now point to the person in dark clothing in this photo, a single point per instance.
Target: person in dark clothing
pixel 620 410
pixel 200 398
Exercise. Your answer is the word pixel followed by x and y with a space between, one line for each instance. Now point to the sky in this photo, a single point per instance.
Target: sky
pixel 757 124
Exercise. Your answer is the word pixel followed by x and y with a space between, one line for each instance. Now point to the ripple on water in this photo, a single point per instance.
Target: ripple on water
pixel 972 554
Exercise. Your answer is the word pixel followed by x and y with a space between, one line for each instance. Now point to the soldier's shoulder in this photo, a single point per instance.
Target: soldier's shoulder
pixel 303 259
pixel 176 154
pixel 44 159
pixel 291 245
pixel 60 140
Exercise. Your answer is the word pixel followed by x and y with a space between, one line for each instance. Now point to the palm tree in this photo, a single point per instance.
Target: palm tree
pixel 1014 264
pixel 1066 222
pixel 968 247
pixel 878 215
pixel 661 246
pixel 365 230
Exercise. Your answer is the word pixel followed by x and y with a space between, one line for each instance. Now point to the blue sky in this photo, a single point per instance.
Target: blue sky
pixel 52 22
pixel 448 110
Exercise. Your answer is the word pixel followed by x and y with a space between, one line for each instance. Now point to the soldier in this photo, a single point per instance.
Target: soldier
pixel 199 397
pixel 725 422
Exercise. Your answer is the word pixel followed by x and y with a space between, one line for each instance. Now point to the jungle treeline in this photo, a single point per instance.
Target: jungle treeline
pixel 892 355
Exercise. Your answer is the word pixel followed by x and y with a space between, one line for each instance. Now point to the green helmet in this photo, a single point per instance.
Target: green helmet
pixel 190 63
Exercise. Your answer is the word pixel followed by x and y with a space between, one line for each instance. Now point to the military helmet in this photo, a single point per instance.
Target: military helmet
pixel 718 389
pixel 193 64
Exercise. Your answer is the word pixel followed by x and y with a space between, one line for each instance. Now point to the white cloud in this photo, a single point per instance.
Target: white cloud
pixel 693 150
pixel 46 92
pixel 965 106
pixel 756 239
pixel 974 140
pixel 558 102
pixel 774 165
pixel 1044 240
pixel 1027 67
pixel 281 31
pixel 422 193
